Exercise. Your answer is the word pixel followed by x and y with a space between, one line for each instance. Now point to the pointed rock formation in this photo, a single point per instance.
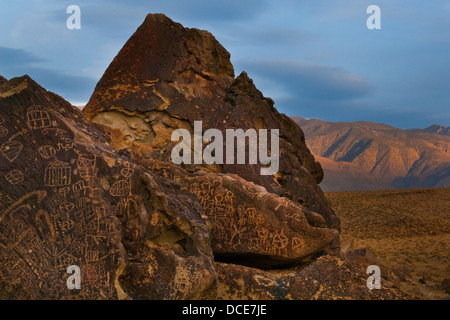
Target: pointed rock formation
pixel 166 77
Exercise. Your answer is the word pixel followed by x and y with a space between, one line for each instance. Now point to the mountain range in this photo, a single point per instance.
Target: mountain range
pixel 435 128
pixel 373 156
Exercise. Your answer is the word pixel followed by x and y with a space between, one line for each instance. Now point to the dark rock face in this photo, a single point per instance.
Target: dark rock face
pixel 67 198
pixel 167 76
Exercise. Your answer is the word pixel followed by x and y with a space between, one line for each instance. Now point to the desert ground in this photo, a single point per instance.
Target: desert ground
pixel 408 230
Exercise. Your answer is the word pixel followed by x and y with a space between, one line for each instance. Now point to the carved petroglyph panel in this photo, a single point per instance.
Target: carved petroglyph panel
pixel 65 221
pixel 246 218
pixel 75 201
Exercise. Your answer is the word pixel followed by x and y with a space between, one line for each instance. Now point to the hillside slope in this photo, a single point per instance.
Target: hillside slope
pixel 372 156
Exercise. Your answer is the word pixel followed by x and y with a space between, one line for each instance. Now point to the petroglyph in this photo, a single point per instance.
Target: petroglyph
pixel 38 194
pixel 128 171
pixel 247 219
pixel 11 150
pixel 3 132
pixel 38 117
pixel 14 177
pixel 57 174
pixel 86 166
pixel 47 152
pixel 120 188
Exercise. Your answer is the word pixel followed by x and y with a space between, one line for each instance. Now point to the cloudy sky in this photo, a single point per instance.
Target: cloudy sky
pixel 316 59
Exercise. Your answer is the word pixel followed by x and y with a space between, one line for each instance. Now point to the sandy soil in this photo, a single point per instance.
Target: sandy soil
pixel 409 231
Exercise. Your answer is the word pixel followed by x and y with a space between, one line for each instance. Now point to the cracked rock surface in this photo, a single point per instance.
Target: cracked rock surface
pixel 68 198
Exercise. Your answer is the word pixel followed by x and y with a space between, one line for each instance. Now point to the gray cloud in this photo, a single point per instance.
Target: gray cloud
pixel 306 80
pixel 115 14
pixel 273 36
pixel 18 62
pixel 204 10
pixel 11 57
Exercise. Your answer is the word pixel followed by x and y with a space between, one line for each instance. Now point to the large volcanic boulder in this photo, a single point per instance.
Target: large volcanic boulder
pixel 68 198
pixel 167 77
pixel 251 226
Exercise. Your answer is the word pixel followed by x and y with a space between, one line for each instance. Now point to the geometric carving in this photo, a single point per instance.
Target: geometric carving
pixel 280 241
pixel 3 131
pixel 127 208
pixel 14 177
pixel 57 174
pixel 297 243
pixel 86 166
pixel 128 171
pixel 47 152
pixel 38 118
pixel 79 189
pixel 66 207
pixel 11 150
pixel 120 189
